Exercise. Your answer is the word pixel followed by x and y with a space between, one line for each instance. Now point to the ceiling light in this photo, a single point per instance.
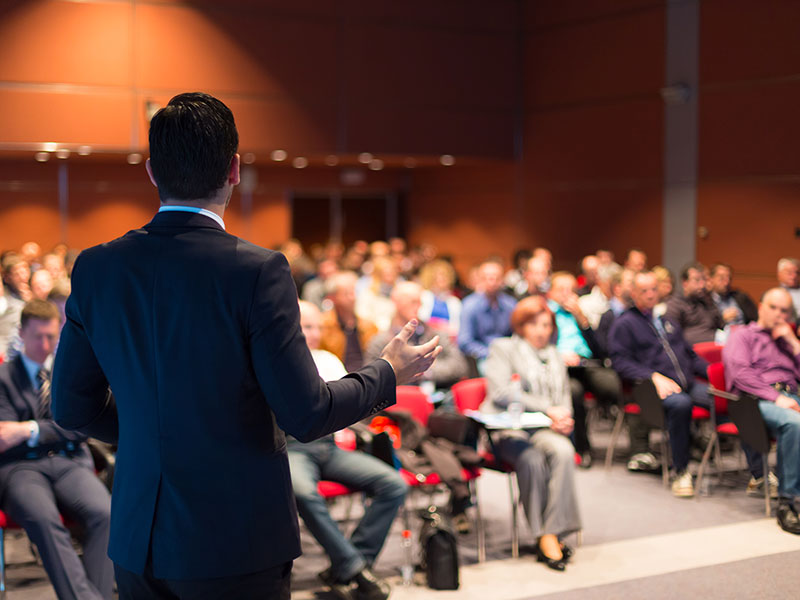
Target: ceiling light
pixel 376 164
pixel 42 156
pixel 62 153
pixel 365 158
pixel 84 150
pixel 331 160
pixel 447 160
pixel 300 162
pixel 249 158
pixel 134 158
pixel 278 155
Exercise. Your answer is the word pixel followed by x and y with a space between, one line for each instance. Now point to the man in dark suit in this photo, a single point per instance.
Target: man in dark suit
pixel 42 465
pixel 196 332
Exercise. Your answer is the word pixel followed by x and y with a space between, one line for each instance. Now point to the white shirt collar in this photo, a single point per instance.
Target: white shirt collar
pixel 194 209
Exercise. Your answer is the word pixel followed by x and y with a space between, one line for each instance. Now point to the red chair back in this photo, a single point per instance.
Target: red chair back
pixel 716 378
pixel 469 394
pixel 710 351
pixel 414 400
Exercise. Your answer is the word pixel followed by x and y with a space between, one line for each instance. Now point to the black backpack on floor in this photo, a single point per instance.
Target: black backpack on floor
pixel 439 553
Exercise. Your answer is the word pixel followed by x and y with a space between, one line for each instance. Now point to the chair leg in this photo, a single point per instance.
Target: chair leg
pixel 479 522
pixel 579 538
pixel 765 460
pixel 704 463
pixel 614 435
pixel 2 563
pixel 514 526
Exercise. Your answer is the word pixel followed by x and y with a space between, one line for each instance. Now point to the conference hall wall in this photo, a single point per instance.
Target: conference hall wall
pixel 551 110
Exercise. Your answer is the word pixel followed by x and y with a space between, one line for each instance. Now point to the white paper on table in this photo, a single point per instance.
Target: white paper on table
pixel 528 420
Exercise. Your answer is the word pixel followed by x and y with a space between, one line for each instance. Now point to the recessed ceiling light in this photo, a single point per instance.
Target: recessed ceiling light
pixel 49 146
pixel 278 155
pixel 447 160
pixel 42 156
pixel 249 158
pixel 134 158
pixel 331 160
pixel 300 162
pixel 376 164
pixel 365 158
pixel 84 150
pixel 62 153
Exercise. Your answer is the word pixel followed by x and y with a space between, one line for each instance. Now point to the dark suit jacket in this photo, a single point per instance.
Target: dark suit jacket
pixel 197 334
pixel 19 401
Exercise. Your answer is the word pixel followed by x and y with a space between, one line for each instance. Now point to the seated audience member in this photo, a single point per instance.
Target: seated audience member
pixel 41 284
pixel 695 311
pixel 581 354
pixel 636 260
pixel 54 263
pixel 643 346
pixel 606 260
pixel 735 306
pixel 45 470
pixel 343 333
pixel 542 457
pixel 665 287
pixel 349 575
pixel 372 302
pixel 440 309
pixel 301 265
pixel 640 457
pixel 789 278
pixel 31 253
pixel 10 310
pixel 485 314
pixel 314 289
pixel 514 279
pixel 763 359
pixel 589 270
pixel 450 365
pixel 546 257
pixel 595 303
pixel 16 277
pixel 536 278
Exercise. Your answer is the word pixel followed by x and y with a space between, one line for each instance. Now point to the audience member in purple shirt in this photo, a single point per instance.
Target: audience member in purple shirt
pixel 763 359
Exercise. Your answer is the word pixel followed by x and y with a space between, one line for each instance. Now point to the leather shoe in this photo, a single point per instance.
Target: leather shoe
pixel 559 564
pixel 566 552
pixel 370 587
pixel 787 518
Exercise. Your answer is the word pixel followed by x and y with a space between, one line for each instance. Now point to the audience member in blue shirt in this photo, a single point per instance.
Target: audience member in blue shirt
pixel 485 314
pixel 576 343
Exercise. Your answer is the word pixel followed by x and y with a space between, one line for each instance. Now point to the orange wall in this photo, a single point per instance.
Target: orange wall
pixel 749 171
pixel 308 77
pixel 593 126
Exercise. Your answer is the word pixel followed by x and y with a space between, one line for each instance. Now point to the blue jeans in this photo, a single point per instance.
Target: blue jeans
pixel 784 424
pixel 322 459
pixel 678 411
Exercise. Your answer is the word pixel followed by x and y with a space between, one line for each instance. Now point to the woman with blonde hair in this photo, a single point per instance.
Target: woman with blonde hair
pixel 440 309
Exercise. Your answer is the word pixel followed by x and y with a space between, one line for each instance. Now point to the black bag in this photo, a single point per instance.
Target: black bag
pixel 453 426
pixel 439 552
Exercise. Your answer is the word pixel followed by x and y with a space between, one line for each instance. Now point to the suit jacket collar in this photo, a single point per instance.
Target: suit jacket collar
pixel 19 376
pixel 182 220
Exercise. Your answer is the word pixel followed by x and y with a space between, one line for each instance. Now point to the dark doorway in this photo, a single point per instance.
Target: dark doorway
pixel 346 217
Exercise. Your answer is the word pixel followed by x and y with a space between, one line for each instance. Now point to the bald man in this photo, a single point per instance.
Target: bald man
pixel 451 366
pixel 763 359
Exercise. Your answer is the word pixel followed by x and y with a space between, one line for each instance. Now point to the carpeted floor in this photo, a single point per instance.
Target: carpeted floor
pixel 638 542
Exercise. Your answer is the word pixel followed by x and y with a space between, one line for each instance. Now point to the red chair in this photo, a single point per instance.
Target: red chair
pixel 629 408
pixel 412 399
pixel 469 395
pixel 717 386
pixel 710 351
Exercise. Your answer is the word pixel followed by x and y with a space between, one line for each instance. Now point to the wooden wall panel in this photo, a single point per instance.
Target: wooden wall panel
pixel 66 42
pixel 751 130
pixel 599 141
pixel 596 60
pixel 556 13
pixel 743 40
pixel 34 116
